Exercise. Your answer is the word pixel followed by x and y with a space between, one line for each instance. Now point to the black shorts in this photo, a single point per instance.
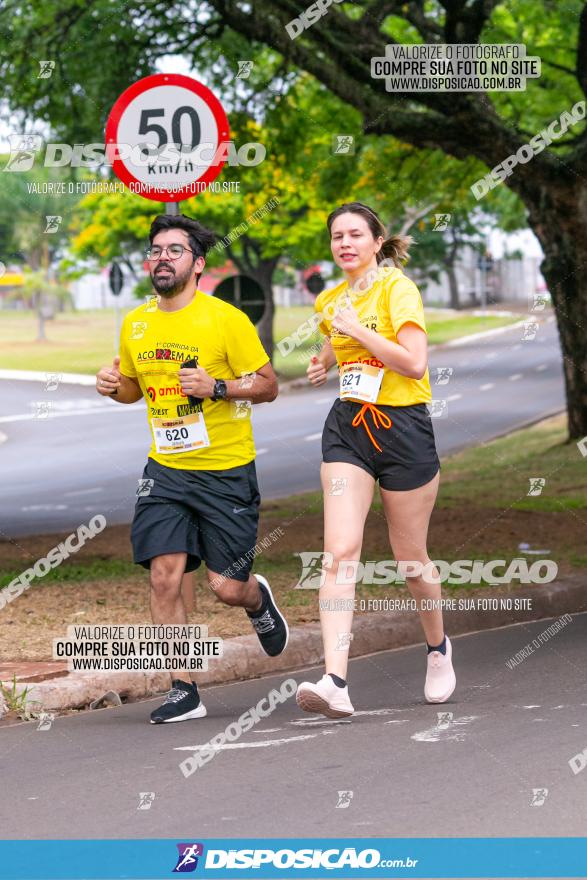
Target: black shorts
pixel 210 515
pixel 408 457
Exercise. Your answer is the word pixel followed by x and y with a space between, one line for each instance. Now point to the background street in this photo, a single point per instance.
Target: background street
pixel 86 455
pixel 474 772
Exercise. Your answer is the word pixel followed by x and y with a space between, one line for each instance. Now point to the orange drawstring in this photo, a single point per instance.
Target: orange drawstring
pixel 378 417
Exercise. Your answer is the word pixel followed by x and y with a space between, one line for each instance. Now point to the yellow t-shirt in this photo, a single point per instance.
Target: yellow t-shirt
pixel 153 346
pixel 389 303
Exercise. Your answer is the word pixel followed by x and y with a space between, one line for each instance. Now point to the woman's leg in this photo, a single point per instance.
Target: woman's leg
pixel 348 494
pixel 408 515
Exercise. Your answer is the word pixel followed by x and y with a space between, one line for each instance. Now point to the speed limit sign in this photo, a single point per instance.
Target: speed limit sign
pixel 165 137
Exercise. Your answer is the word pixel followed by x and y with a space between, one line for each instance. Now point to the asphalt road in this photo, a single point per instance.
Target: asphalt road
pixel 497 765
pixel 83 455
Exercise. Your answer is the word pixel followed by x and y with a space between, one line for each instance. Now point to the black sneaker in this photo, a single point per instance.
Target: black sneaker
pixel 181 703
pixel 269 623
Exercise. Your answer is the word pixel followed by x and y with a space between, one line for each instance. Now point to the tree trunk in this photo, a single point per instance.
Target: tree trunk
pixel 560 223
pixel 265 325
pixel 453 285
pixel 41 336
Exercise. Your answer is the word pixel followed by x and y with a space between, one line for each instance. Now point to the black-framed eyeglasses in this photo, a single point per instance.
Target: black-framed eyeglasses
pixel 173 251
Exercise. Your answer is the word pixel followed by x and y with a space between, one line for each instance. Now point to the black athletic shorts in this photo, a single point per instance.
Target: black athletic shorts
pixel 408 457
pixel 210 515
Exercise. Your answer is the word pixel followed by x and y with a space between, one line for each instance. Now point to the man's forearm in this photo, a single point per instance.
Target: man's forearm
pixel 262 389
pixel 127 392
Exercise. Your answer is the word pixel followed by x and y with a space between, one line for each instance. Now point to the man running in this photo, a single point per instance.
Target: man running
pixel 193 358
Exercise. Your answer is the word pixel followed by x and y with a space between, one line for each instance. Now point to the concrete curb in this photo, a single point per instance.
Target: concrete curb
pixel 373 632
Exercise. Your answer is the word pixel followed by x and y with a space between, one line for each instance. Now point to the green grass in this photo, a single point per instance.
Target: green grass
pixel 442 329
pixel 77 572
pixel 82 342
pixel 494 472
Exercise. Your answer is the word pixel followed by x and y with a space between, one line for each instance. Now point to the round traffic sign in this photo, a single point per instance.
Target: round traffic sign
pixel 164 137
pixel 315 283
pixel 116 279
pixel 245 293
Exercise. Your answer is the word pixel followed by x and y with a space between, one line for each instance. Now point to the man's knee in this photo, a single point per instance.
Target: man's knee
pixel 228 590
pixel 165 574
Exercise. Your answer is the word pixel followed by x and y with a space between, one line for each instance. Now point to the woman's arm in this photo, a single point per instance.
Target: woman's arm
pixel 321 363
pixel 408 356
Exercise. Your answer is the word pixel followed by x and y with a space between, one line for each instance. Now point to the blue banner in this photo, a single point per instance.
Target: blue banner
pixel 227 858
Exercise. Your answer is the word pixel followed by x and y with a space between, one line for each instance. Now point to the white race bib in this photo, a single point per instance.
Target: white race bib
pixel 360 382
pixel 183 434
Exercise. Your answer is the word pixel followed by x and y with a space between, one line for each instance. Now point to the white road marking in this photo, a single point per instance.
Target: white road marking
pixel 491 354
pixel 251 745
pixel 516 347
pixel 487 386
pixel 262 451
pixel 454 397
pixel 314 722
pixel 3 437
pixel 515 376
pixel 29 417
pixel 451 732
pixel 45 507
pixel 82 492
pixel 541 368
pixel 314 436
pixel 269 730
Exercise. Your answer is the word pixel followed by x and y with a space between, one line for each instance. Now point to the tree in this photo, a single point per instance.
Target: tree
pixel 26 208
pixel 337 51
pixel 43 296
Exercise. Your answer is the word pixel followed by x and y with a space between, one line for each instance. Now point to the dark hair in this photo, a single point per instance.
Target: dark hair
pixel 394 248
pixel 200 239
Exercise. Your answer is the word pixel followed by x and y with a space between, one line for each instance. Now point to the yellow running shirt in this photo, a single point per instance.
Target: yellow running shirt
pixel 390 302
pixel 153 346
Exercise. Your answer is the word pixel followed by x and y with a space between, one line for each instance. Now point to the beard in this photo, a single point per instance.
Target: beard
pixel 171 284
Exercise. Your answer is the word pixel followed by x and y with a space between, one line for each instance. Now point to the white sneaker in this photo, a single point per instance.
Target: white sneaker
pixel 440 676
pixel 324 697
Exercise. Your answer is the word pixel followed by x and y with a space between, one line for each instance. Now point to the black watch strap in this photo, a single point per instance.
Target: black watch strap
pixel 220 390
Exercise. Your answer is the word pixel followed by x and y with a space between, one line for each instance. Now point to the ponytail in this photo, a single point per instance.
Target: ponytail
pixel 395 250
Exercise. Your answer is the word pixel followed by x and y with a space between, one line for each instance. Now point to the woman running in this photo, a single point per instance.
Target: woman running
pixel 378 429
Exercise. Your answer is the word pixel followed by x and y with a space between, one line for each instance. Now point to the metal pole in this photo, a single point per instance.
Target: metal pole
pixel 172 208
pixel 117 324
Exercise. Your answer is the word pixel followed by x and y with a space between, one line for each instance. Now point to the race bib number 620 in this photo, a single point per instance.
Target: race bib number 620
pixel 183 434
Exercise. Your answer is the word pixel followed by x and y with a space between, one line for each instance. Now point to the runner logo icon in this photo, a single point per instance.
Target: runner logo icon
pixel 187 860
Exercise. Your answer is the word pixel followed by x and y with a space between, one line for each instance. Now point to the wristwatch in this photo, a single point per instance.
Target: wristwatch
pixel 220 390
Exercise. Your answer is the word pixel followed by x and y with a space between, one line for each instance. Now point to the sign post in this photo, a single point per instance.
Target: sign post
pixel 116 281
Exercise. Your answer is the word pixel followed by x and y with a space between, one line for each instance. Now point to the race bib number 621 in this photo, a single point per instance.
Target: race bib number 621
pixel 360 382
